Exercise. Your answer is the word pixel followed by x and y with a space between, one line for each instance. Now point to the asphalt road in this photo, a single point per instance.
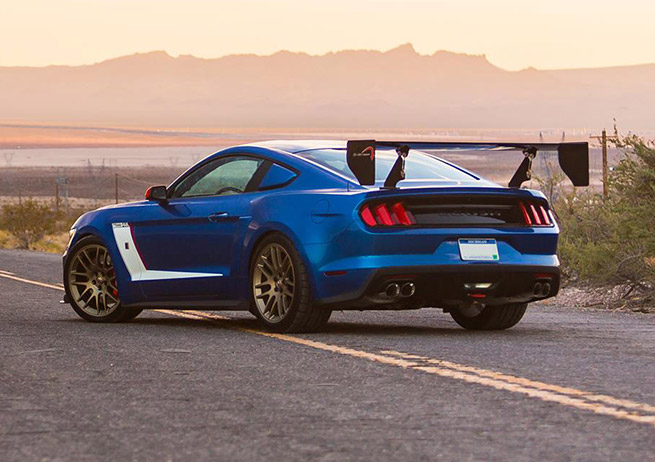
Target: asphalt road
pixel 563 385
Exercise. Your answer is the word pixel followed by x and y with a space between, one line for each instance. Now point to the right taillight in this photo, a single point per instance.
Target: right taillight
pixel 535 214
pixel 386 214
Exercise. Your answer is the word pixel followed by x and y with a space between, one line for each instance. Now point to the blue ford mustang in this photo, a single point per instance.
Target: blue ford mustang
pixel 292 230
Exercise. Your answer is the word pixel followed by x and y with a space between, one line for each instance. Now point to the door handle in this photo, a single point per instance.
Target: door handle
pixel 218 216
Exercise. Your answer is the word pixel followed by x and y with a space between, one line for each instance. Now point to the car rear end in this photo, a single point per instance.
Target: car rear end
pixel 442 247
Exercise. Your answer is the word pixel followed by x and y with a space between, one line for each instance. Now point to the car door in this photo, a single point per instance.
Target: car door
pixel 189 243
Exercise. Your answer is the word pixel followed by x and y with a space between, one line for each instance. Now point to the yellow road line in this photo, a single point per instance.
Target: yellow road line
pixel 6 274
pixel 469 374
pixel 566 396
pixel 527 382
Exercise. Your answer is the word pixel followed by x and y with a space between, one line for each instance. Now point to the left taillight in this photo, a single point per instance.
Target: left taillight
pixel 386 214
pixel 535 214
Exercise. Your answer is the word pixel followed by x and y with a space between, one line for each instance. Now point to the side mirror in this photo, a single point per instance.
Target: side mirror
pixel 156 193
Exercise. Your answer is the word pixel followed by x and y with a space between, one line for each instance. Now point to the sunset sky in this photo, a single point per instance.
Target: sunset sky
pixel 514 34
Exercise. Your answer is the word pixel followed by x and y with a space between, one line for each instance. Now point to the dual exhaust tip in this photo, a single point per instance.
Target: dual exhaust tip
pixel 407 289
pixel 541 289
pixel 395 290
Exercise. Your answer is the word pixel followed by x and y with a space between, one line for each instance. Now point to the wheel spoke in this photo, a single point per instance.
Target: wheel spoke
pixel 286 264
pixel 269 304
pixel 265 261
pixel 88 258
pixel 287 302
pixel 269 293
pixel 99 255
pixel 274 258
pixel 80 260
pixel 280 305
pixel 265 272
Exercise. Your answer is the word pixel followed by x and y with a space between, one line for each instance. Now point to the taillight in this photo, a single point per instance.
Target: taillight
pixel 387 214
pixel 535 214
pixel 383 214
pixel 404 217
pixel 526 215
pixel 537 218
pixel 367 216
pixel 544 213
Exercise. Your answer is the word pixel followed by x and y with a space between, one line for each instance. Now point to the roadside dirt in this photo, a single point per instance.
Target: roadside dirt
pixel 614 298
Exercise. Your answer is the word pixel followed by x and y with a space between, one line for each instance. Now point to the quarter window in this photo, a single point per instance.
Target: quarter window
pixel 219 177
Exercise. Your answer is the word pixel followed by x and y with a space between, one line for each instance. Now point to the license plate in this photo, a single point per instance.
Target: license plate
pixel 478 250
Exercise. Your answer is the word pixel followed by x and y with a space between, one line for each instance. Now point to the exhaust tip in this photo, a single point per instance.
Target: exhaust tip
pixel 545 289
pixel 392 290
pixel 537 288
pixel 408 289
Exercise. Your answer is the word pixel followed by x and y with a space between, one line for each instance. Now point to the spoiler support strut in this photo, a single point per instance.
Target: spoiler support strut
pixel 397 172
pixel 524 172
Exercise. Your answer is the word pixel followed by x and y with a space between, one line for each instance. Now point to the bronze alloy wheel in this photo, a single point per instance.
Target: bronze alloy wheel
pixel 92 281
pixel 273 282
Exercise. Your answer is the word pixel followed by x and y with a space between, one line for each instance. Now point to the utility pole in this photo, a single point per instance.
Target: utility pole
pixel 116 186
pixel 603 140
pixel 60 181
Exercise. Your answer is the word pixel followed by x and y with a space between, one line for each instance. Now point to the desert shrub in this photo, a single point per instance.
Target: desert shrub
pixel 612 239
pixel 28 221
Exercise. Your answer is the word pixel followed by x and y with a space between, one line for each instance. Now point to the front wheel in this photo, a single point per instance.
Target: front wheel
pixel 280 289
pixel 90 283
pixel 496 317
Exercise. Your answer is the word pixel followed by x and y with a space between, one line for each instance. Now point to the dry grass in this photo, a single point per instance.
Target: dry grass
pixel 51 243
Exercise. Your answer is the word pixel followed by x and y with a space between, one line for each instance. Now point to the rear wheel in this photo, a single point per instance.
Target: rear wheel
pixel 280 289
pixel 91 283
pixel 496 317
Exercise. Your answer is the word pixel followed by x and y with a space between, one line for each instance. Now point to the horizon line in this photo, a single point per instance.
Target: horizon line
pixel 407 47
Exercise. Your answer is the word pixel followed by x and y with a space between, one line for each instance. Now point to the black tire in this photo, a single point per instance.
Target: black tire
pixel 117 312
pixel 301 316
pixel 496 317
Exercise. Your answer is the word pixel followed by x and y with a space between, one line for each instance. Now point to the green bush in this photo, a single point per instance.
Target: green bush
pixel 612 240
pixel 28 221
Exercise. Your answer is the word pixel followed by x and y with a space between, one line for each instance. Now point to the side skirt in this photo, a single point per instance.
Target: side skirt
pixel 209 305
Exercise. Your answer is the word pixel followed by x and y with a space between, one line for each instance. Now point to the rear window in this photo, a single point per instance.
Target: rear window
pixel 418 165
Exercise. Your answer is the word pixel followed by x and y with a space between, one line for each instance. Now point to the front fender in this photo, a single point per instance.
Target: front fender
pixel 102 229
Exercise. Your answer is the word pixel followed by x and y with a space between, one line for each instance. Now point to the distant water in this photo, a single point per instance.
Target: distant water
pixel 110 157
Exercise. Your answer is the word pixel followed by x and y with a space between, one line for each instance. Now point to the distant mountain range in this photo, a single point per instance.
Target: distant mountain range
pixel 348 89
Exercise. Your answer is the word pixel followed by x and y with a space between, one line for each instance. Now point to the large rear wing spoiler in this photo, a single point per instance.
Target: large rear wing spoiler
pixel 573 158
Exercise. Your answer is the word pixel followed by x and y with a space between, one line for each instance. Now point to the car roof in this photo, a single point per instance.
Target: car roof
pixel 296 146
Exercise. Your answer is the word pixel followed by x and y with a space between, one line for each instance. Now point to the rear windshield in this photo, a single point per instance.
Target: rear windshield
pixel 418 165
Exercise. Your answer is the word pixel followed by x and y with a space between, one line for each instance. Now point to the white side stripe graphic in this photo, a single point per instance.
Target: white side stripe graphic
pixel 136 267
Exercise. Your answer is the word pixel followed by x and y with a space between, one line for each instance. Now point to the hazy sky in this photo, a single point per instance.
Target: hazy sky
pixel 514 34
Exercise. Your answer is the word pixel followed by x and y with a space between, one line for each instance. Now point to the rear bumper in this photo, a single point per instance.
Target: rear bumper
pixel 350 271
pixel 447 286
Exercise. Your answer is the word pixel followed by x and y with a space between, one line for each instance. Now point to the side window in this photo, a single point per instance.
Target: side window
pixel 276 177
pixel 220 177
